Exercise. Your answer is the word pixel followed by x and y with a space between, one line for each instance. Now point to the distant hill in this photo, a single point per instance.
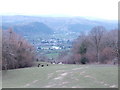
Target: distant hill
pixel 29 28
pixel 49 24
pixel 80 27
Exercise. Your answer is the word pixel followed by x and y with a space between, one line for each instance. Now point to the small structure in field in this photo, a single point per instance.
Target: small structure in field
pixel 42 65
pixel 38 65
pixel 60 63
pixel 115 61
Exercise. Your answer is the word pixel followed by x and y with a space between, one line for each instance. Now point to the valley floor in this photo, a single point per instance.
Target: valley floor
pixel 62 76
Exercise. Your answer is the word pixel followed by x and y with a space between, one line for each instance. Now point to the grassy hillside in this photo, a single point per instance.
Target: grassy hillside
pixel 63 76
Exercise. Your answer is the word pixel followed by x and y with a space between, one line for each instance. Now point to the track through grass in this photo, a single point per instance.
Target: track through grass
pixel 62 76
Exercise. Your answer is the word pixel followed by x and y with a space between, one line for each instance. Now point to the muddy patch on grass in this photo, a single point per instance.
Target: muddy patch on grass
pixel 61 76
pixel 100 82
pixel 50 86
pixel 58 78
pixel 35 81
pixel 82 73
pixel 77 68
pixel 60 71
pixel 89 76
pixel 113 86
pixel 63 83
pixel 28 84
pixel 64 74
pixel 76 87
pixel 50 75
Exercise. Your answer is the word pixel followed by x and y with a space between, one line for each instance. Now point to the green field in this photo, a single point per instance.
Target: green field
pixel 62 76
pixel 52 55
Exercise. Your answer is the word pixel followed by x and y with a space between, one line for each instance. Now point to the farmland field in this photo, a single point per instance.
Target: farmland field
pixel 62 76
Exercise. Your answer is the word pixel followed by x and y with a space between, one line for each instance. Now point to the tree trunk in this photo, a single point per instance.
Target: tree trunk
pixel 98 56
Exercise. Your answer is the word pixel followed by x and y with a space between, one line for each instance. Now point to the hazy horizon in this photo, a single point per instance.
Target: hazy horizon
pixel 96 9
pixel 62 16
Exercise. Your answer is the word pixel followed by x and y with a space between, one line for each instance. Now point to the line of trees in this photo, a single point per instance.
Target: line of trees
pixel 16 51
pixel 98 46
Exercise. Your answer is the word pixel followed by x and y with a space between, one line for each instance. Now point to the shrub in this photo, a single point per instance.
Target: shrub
pixel 107 54
pixel 84 60
pixel 16 51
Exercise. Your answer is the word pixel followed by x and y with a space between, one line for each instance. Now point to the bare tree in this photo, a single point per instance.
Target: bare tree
pixel 96 35
pixel 16 51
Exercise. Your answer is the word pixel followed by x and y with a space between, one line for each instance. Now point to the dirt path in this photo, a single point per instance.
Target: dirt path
pixel 28 84
pixel 57 79
pixel 60 78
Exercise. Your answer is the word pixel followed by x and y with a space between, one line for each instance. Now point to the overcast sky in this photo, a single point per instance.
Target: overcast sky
pixel 104 9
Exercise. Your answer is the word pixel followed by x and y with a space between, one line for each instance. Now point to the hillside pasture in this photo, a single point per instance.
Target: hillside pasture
pixel 62 76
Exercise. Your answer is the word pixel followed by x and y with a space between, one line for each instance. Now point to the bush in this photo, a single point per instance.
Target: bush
pixel 107 54
pixel 84 60
pixel 16 51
